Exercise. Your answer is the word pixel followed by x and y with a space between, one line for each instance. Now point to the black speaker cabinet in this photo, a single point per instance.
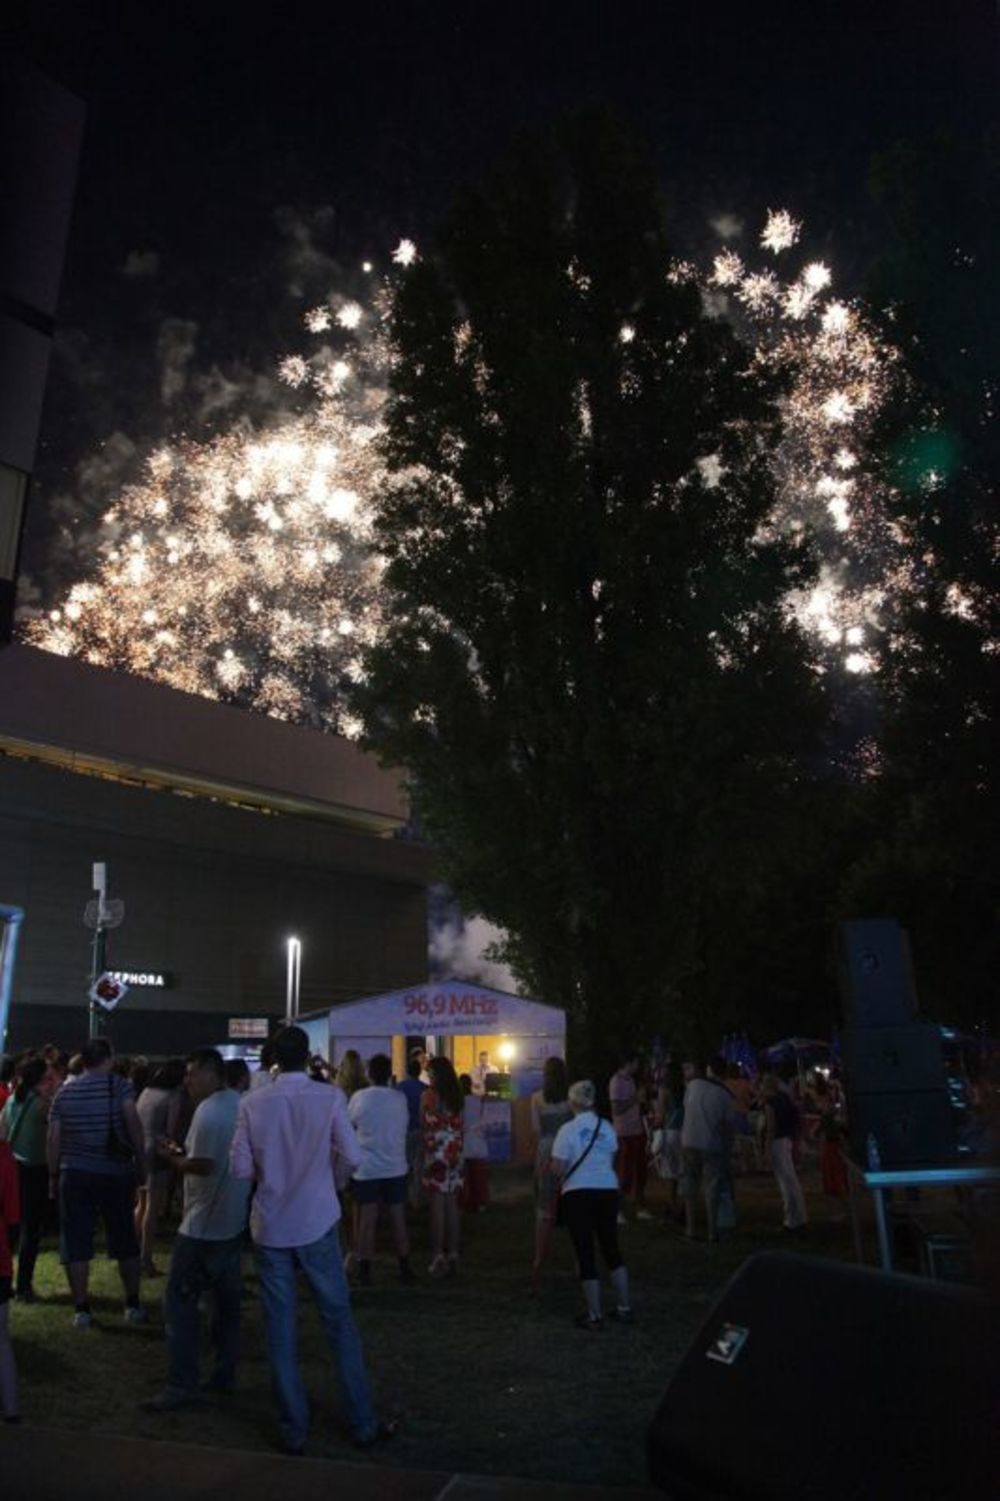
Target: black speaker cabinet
pixel 814 1380
pixel 911 1129
pixel 875 974
pixel 886 1060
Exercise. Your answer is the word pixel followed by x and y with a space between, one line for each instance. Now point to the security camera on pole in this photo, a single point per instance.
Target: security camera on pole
pixel 101 914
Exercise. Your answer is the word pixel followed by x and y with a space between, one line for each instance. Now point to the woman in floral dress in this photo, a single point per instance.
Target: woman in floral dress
pixel 442 1112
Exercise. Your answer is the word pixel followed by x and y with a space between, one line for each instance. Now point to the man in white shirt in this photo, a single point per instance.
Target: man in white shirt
pixel 206 1255
pixel 381 1117
pixel 479 1073
pixel 296 1141
pixel 709 1120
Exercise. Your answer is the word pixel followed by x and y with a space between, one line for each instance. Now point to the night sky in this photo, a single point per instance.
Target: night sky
pixel 227 145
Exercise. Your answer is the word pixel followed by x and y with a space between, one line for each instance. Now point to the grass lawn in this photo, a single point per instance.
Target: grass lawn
pixel 488 1379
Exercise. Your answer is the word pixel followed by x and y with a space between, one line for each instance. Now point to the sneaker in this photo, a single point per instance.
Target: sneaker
pixel 621 1219
pixel 438 1266
pixel 643 1214
pixel 622 1315
pixel 136 1315
pixel 385 1429
pixel 588 1322
pixel 83 1318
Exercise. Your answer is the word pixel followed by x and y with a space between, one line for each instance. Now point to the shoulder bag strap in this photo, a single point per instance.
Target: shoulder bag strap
pixel 583 1155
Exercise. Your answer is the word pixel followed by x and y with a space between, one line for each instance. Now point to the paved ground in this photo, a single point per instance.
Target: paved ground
pixel 47 1464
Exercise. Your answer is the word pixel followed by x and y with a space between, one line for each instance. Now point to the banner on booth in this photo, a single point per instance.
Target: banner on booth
pixel 449 1008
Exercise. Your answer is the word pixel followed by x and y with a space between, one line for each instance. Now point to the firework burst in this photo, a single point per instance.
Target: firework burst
pixel 839 374
pixel 242 569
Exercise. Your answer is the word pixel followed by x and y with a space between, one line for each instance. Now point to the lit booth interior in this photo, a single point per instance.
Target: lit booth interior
pixel 460 1021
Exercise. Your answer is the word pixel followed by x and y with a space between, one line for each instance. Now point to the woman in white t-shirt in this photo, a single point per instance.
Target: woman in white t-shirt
pixel 583 1159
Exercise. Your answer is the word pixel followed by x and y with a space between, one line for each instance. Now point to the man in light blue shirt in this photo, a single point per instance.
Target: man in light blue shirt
pixel 206 1255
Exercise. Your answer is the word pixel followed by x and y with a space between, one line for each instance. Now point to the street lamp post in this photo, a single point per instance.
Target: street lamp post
pixel 98 953
pixel 294 975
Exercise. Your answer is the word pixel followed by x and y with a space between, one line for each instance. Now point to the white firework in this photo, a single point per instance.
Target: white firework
pixel 780 232
pixel 405 253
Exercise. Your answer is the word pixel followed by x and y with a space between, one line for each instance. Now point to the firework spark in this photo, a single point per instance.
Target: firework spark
pixel 241 568
pixel 838 375
pixel 780 232
pixel 405 253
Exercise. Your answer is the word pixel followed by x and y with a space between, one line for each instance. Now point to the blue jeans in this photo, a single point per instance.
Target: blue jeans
pixel 322 1263
pixel 196 1267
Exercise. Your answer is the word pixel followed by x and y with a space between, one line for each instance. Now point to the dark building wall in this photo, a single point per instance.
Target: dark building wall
pixel 40 131
pixel 211 894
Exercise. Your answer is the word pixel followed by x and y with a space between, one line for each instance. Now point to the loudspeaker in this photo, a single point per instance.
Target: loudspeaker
pixel 814 1380
pixel 898 1093
pixel 911 1129
pixel 875 974
pixel 885 1060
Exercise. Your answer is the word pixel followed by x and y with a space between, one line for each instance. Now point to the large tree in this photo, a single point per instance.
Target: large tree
pixel 931 857
pixel 588 673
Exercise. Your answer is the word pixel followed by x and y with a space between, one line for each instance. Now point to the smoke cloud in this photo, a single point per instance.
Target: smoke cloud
pixel 141 265
pixel 175 347
pixel 727 226
pixel 459 948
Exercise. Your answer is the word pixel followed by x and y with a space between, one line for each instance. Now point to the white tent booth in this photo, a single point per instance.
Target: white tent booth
pixel 459 1019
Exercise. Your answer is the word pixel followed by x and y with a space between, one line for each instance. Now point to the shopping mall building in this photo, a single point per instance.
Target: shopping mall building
pixel 223 832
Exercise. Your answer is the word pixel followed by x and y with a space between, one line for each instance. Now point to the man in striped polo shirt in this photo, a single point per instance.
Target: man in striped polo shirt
pixel 92 1125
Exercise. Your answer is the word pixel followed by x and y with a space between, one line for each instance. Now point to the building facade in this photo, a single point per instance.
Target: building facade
pixel 41 125
pixel 224 833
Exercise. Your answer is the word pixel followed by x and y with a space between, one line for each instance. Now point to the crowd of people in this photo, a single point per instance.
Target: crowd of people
pixel 296 1160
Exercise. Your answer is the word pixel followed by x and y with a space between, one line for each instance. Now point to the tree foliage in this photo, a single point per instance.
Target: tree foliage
pixel 588 674
pixel 931 855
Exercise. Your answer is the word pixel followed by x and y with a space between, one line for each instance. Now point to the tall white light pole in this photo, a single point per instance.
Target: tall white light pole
pixel 294 976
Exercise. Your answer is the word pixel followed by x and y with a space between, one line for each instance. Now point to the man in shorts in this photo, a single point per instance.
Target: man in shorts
pixel 380 1116
pixel 97 1158
pixel 413 1090
pixel 709 1114
pixel 626 1117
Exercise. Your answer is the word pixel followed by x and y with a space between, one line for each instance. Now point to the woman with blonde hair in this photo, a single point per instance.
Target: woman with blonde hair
pixel 583 1159
pixel 351 1074
pixel 350 1077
